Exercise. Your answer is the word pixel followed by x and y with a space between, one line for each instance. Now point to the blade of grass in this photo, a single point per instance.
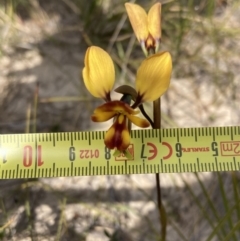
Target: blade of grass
pixel 8 222
pixel 6 225
pixel 116 32
pixel 35 106
pixel 181 29
pixel 211 205
pixel 28 119
pixel 233 232
pixel 201 207
pixel 222 221
pixel 10 9
pixel 225 201
pixel 28 213
pixel 126 57
pixel 236 194
pixel 63 99
pixel 61 220
pixel 181 235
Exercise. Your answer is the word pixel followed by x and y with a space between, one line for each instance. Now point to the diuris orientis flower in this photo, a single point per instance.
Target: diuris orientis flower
pixel 147 27
pixel 153 78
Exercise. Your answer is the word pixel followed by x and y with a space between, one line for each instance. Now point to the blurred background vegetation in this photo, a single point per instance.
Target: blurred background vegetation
pixel 42 46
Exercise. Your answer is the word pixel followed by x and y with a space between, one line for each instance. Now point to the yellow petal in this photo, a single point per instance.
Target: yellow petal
pixel 102 116
pixel 116 106
pixel 153 76
pixel 138 20
pixel 138 121
pixel 98 73
pixel 154 21
pixel 118 135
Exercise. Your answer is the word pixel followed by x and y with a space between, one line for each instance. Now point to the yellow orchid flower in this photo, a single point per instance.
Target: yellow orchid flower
pixel 152 81
pixel 118 135
pixel 147 27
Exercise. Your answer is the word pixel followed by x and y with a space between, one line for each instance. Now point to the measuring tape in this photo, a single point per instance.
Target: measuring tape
pixel 153 151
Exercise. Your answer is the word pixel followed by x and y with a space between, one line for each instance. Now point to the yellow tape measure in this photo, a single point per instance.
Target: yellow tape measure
pixel 153 151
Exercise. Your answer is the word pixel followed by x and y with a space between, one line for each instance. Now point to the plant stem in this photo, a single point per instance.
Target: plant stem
pixel 141 108
pixel 157 114
pixel 35 106
pixel 161 209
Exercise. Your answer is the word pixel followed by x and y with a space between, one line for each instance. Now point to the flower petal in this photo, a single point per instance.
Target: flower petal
pixel 116 106
pixel 102 116
pixel 153 76
pixel 118 135
pixel 154 21
pixel 138 121
pixel 98 73
pixel 138 20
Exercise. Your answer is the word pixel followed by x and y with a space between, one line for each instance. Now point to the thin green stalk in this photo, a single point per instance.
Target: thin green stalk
pixel 8 222
pixel 28 213
pixel 35 106
pixel 233 232
pixel 236 194
pixel 161 209
pixel 28 119
pixel 225 201
pixel 181 26
pixel 10 9
pixel 145 114
pixel 180 234
pixel 209 201
pixel 204 212
pixel 61 220
pixel 222 221
pixel 63 99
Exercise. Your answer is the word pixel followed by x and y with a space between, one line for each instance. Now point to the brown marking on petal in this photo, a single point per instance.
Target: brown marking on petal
pixel 107 97
pixel 118 135
pixel 117 106
pixel 150 44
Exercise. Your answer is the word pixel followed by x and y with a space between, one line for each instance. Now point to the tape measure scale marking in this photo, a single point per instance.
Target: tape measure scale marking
pixel 83 153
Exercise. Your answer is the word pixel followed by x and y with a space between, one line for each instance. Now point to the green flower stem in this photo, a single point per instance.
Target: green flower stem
pixel 141 108
pixel 161 209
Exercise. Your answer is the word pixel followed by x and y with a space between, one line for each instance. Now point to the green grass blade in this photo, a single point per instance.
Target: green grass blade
pixel 225 201
pixel 233 231
pixel 200 206
pixel 211 205
pixel 236 193
pixel 61 219
pixel 223 220
pixel 181 235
